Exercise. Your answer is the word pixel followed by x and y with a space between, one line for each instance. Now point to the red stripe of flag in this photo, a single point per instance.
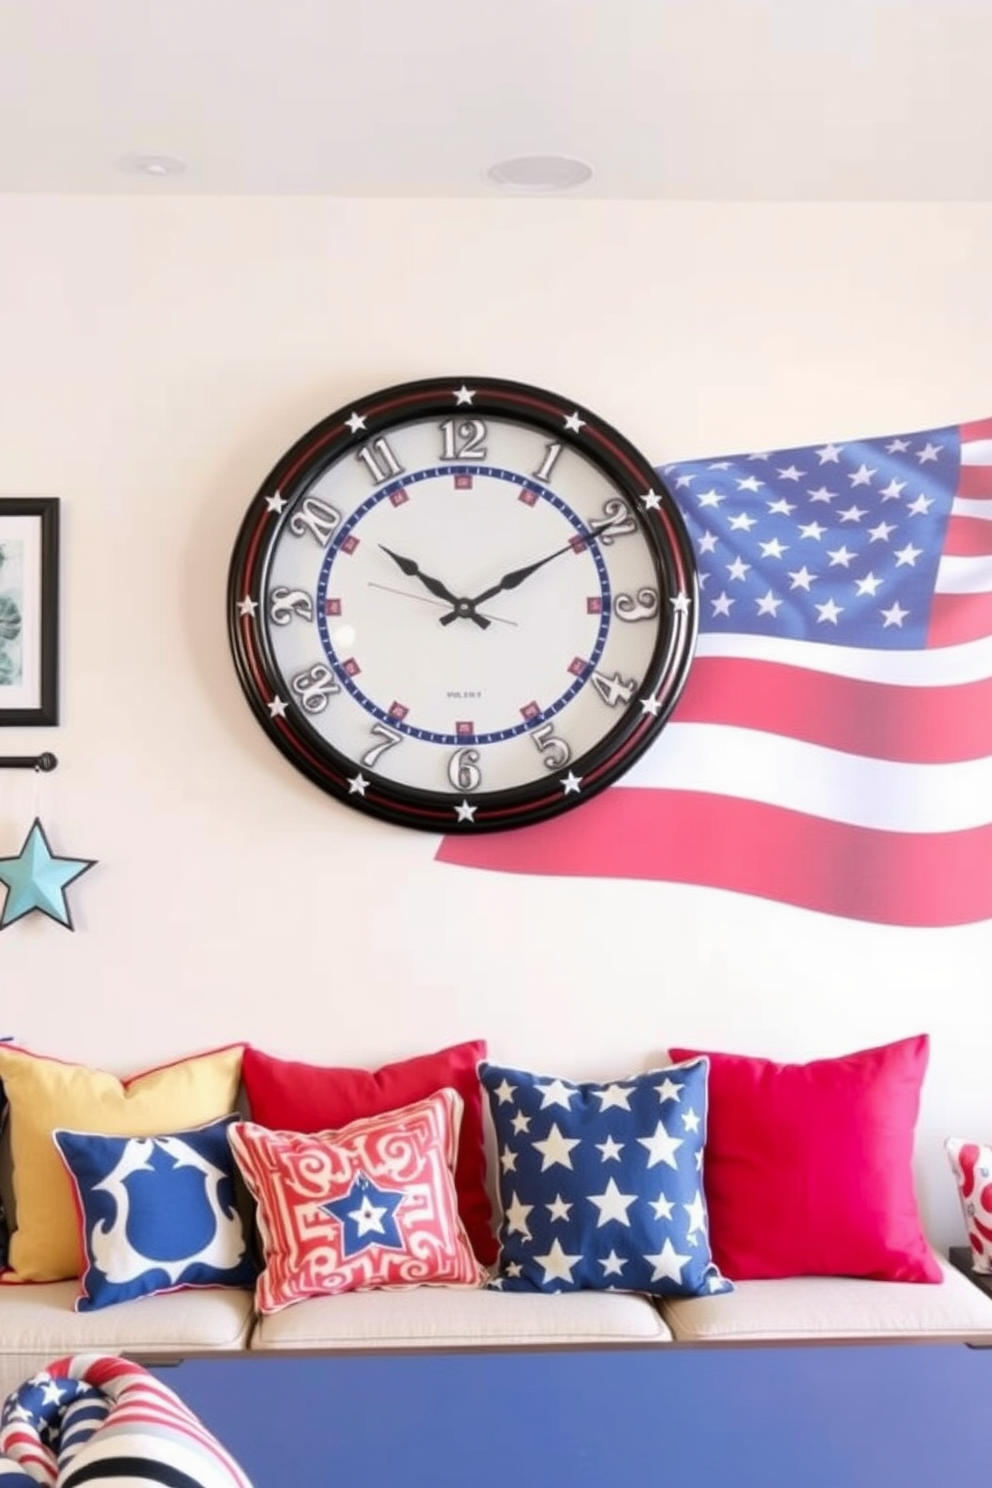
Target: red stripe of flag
pixel 720 842
pixel 968 537
pixel 955 618
pixel 915 725
pixel 978 429
pixel 975 481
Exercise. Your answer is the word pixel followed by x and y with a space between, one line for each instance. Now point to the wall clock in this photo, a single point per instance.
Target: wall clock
pixel 462 604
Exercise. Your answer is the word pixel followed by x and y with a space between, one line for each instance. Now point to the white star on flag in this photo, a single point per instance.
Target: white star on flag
pixel 556 1093
pixel 668 1090
pixel 612 1205
pixel 668 1263
pixel 661 1147
pixel 516 1218
pixel 613 1095
pixel 556 1148
pixel 662 1207
pixel 697 1215
pixel 557 1265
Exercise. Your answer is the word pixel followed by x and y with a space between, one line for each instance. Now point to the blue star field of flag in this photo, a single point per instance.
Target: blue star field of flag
pixel 838 544
pixel 601 1185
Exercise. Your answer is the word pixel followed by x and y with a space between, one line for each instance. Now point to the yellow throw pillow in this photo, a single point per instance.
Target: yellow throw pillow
pixel 43 1094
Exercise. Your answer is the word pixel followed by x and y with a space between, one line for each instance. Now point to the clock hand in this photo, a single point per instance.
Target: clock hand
pixel 466 607
pixel 423 599
pixel 433 586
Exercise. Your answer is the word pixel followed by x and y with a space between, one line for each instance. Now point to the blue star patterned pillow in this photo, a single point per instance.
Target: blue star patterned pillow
pixel 156 1213
pixel 602 1184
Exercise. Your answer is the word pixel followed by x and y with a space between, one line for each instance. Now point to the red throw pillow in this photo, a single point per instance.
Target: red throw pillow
pixel 808 1168
pixel 288 1096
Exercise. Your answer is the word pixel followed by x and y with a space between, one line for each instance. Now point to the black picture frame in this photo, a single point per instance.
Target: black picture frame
pixel 29 611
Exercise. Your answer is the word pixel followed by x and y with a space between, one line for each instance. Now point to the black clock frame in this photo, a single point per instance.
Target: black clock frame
pixel 341 433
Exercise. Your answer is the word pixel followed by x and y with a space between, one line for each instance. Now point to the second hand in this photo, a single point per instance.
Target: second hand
pixel 440 603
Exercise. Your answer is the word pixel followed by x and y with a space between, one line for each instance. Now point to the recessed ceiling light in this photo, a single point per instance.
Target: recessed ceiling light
pixel 155 166
pixel 539 173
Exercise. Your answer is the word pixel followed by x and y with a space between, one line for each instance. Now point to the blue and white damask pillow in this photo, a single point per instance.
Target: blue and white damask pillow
pixel 156 1213
pixel 602 1184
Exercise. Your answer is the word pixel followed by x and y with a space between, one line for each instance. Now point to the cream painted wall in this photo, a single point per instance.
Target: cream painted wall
pixel 156 357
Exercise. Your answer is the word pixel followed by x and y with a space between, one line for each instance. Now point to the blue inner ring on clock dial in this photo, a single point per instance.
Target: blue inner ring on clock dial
pixel 446 472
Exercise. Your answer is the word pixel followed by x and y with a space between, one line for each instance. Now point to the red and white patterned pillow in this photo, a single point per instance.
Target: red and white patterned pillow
pixel 370 1205
pixel 971 1164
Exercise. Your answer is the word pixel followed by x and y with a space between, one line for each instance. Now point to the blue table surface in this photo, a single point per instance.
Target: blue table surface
pixel 876 1416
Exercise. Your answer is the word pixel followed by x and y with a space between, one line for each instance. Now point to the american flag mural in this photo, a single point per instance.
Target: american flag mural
pixel 833 745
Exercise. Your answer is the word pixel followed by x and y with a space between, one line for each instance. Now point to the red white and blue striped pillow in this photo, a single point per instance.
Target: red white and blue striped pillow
pixel 104 1422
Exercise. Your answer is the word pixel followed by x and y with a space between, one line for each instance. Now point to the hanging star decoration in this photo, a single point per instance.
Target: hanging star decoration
pixel 37 879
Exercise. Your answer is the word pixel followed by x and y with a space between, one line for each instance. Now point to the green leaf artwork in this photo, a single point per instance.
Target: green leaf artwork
pixel 10 613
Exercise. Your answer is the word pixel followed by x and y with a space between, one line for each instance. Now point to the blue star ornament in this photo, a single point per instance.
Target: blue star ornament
pixel 367 1216
pixel 37 879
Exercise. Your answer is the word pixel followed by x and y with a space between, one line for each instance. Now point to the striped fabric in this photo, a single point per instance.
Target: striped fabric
pixel 104 1422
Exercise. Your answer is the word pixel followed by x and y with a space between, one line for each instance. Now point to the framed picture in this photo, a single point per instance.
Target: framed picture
pixel 29 610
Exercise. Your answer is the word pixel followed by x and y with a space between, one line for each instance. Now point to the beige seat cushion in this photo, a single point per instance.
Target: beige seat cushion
pixel 460 1317
pixel 825 1307
pixel 38 1325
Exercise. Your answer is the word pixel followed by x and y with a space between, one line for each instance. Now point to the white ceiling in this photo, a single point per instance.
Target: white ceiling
pixel 692 99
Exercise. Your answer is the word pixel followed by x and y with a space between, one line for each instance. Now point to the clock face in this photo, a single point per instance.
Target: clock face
pixel 462 604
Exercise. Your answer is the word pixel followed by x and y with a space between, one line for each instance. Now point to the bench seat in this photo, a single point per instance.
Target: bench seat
pixel 38 1325
pixel 458 1317
pixel 824 1308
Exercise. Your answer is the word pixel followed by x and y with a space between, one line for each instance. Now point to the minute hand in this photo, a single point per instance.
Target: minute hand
pixel 516 576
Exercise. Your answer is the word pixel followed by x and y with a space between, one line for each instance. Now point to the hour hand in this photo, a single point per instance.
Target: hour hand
pixel 517 575
pixel 432 585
